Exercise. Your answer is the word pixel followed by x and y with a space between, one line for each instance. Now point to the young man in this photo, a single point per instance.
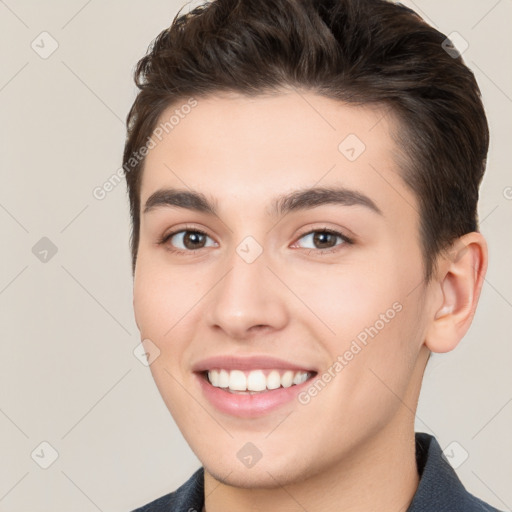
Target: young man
pixel 303 180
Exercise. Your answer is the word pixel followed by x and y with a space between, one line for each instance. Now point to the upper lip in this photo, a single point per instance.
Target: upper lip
pixel 261 362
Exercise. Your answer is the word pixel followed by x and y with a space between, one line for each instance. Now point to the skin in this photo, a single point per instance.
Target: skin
pixel 352 446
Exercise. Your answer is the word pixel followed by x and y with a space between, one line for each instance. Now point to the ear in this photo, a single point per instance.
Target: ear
pixel 460 276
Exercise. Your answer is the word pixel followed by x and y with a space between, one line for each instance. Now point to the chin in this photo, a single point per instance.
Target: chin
pixel 263 475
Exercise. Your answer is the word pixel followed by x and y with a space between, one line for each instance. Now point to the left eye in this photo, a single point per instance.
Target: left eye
pixel 323 239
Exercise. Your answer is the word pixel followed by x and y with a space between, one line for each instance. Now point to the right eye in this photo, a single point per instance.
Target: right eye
pixel 186 240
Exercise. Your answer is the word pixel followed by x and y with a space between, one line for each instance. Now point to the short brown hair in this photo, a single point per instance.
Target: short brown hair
pixel 356 51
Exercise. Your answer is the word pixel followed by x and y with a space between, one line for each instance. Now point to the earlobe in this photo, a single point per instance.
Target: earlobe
pixel 460 279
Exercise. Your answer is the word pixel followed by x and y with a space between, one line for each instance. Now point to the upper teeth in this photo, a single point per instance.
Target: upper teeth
pixel 255 380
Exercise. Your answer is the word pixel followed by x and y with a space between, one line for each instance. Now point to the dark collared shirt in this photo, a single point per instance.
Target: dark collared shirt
pixel 439 489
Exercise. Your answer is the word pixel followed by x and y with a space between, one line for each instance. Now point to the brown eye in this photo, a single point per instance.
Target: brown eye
pixel 189 240
pixel 193 240
pixel 322 239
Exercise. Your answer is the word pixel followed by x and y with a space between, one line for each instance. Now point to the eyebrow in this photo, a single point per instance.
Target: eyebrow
pixel 302 199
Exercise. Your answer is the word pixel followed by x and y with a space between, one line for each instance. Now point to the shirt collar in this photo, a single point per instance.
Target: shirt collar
pixel 439 487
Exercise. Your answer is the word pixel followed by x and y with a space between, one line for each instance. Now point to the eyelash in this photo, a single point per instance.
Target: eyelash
pixel 346 240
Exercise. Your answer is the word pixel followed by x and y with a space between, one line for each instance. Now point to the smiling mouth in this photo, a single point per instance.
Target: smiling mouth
pixel 255 381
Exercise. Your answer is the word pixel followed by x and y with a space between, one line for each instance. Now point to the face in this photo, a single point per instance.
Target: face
pixel 246 273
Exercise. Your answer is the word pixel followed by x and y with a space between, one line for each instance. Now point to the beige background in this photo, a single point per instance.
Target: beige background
pixel 68 375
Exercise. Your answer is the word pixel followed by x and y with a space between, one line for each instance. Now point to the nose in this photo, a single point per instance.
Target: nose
pixel 248 299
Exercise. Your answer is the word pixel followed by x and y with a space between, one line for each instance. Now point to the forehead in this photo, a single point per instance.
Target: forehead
pixel 234 146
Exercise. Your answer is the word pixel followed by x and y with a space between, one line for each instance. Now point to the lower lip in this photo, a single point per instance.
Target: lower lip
pixel 246 405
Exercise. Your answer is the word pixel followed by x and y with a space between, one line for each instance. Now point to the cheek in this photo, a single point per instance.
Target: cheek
pixel 367 317
pixel 165 304
pixel 164 300
pixel 347 299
